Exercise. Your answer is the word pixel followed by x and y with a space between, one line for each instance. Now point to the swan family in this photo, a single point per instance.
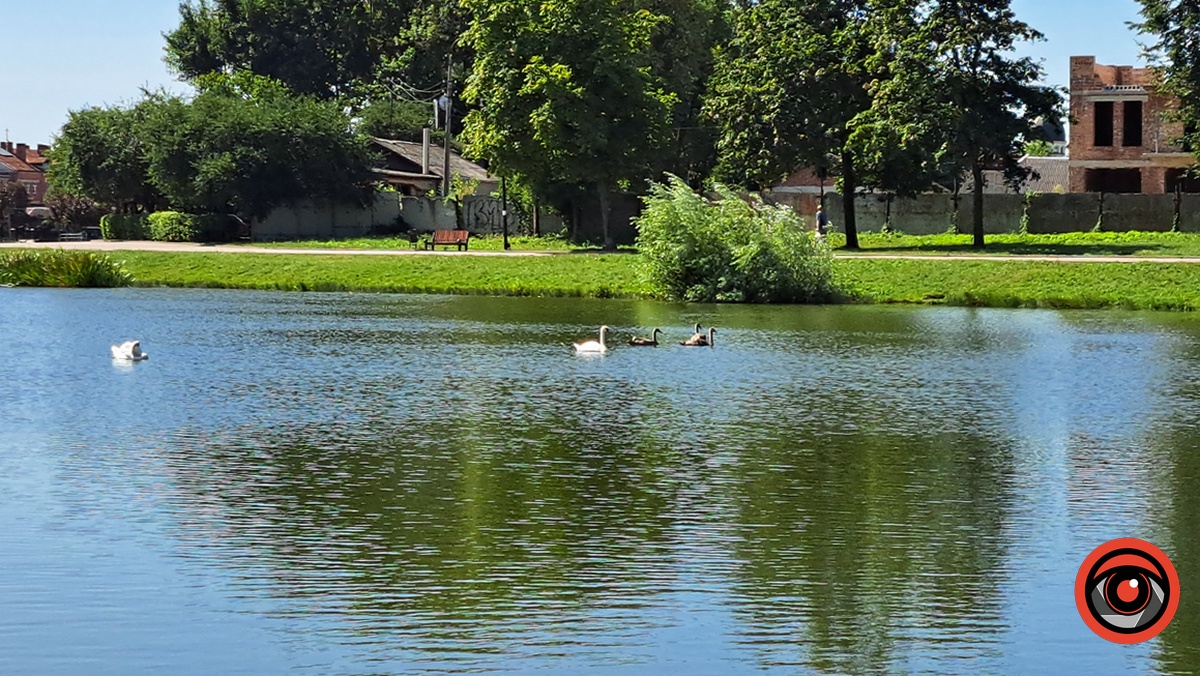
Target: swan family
pixel 699 339
pixel 130 350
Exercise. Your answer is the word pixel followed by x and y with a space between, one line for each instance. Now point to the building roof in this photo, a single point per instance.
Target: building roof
pixel 36 159
pixel 9 160
pixel 1051 174
pixel 411 151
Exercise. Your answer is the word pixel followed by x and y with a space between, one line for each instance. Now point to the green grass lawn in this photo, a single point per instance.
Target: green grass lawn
pixel 609 276
pixel 1158 286
pixel 1069 244
pixel 1134 286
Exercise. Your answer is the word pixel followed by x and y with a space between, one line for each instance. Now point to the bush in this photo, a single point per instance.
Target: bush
pixel 173 226
pixel 60 268
pixel 123 226
pixel 730 249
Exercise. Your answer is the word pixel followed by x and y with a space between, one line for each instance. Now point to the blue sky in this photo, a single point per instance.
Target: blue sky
pixel 63 55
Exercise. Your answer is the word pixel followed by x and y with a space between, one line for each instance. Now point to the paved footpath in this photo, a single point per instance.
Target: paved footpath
pixel 187 247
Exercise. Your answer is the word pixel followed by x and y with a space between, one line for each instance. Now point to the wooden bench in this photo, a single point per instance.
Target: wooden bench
pixel 456 238
pixel 72 237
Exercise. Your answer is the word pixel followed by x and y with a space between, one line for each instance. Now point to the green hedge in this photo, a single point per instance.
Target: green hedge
pixel 123 226
pixel 171 226
pixel 174 226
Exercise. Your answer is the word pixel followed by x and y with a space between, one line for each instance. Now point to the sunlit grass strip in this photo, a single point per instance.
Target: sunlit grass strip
pixel 578 275
pixel 1135 286
pixel 59 268
pixel 1168 244
pixel 1026 284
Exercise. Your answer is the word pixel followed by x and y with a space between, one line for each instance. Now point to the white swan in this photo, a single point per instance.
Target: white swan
pixel 130 350
pixel 592 346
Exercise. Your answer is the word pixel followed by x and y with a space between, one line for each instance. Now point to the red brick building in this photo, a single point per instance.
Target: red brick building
pixel 1121 141
pixel 21 164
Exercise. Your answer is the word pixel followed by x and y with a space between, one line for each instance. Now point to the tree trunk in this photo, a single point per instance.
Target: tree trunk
pixel 537 226
pixel 849 187
pixel 977 216
pixel 609 244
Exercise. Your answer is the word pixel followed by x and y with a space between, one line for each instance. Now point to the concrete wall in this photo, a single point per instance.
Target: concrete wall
pixel 481 215
pixel 927 214
pixel 1189 213
pixel 1123 213
pixel 923 215
pixel 327 221
pixel 1052 213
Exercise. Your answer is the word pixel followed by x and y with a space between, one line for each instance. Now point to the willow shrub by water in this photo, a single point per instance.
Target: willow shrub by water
pixel 729 249
pixel 61 268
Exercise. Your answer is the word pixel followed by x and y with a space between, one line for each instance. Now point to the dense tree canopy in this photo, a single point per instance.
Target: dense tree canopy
pixel 242 145
pixel 565 91
pixel 987 102
pixel 324 48
pixel 789 87
pixel 100 154
pixel 887 94
pixel 574 96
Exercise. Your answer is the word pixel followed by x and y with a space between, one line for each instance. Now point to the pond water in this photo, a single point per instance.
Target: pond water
pixel 344 483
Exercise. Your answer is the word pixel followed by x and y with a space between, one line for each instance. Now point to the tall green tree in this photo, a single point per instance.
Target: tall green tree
pixel 1173 27
pixel 246 145
pixel 565 91
pixel 324 48
pixel 989 102
pixel 100 154
pixel 681 55
pixel 788 89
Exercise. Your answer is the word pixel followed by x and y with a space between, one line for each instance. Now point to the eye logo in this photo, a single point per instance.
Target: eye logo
pixel 1127 591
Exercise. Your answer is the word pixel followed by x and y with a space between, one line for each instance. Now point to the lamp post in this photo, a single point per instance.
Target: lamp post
pixel 449 122
pixel 504 209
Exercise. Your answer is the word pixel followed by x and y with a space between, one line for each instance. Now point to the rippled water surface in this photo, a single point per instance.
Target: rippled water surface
pixel 357 484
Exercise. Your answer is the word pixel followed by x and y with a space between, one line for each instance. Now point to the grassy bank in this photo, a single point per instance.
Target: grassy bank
pixel 577 275
pixel 1170 244
pixel 1151 286
pixel 1134 286
pixel 1068 244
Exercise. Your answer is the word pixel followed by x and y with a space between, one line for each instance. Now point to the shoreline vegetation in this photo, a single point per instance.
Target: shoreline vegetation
pixel 984 283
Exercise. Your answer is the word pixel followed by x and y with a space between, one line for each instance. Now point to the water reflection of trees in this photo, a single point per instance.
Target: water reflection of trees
pixel 1175 446
pixel 855 546
pixel 488 523
pixel 470 493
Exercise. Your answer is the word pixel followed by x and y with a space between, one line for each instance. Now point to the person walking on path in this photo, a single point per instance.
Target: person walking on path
pixel 822 222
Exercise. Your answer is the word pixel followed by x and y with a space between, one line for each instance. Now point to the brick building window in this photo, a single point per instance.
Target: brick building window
pixel 1132 136
pixel 1103 120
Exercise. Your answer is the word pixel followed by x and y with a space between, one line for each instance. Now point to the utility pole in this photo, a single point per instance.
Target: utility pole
pixel 449 121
